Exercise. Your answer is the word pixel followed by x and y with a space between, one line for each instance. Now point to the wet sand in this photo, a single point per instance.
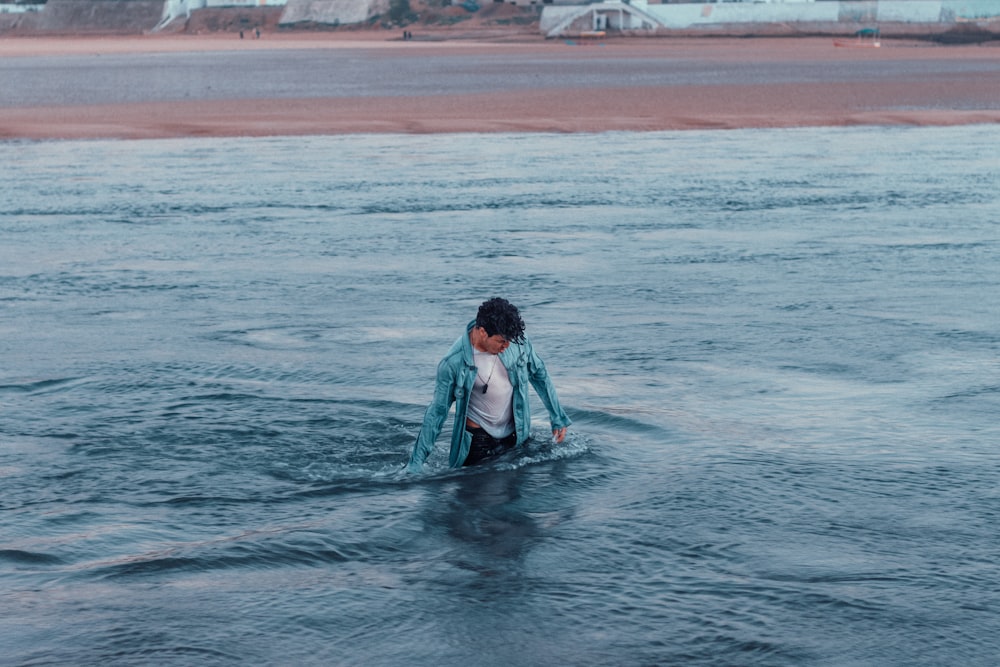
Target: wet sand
pixel 171 86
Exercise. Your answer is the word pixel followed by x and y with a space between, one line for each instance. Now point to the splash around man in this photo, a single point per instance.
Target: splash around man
pixel 486 374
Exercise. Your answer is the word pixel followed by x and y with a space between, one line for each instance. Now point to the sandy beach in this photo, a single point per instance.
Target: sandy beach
pixel 219 85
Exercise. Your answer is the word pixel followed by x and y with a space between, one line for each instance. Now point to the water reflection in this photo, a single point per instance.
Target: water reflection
pixel 481 512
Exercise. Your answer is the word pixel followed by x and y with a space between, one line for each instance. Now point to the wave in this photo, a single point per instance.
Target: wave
pixel 253 549
pixel 42 386
pixel 20 557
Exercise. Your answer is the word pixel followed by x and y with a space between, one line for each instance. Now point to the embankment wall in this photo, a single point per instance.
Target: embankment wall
pixel 94 16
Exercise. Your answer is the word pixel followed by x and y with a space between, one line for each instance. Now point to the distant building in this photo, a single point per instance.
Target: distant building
pixel 798 17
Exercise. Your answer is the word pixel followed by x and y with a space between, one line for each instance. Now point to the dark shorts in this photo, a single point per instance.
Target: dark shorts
pixel 485 445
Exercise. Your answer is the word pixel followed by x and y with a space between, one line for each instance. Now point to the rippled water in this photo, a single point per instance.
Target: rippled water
pixel 779 349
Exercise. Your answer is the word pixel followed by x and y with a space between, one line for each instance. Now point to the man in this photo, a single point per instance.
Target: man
pixel 486 374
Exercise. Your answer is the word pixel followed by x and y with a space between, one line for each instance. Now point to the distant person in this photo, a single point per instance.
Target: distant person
pixel 486 374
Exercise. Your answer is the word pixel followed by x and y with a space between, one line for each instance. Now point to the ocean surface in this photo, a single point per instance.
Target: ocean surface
pixel 779 349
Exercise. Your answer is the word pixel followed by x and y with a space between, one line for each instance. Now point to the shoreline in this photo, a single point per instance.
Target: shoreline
pixel 931 85
pixel 21 46
pixel 756 47
pixel 473 114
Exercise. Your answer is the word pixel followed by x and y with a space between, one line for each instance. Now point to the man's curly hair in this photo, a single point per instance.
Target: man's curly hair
pixel 499 316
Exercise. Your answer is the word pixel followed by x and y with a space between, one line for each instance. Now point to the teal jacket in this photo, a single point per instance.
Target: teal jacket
pixel 455 376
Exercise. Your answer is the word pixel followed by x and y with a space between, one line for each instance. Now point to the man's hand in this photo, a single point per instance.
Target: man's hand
pixel 559 434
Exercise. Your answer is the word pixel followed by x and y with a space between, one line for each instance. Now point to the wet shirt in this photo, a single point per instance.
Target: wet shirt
pixel 491 403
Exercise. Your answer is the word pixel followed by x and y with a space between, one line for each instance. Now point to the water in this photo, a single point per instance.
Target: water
pixel 779 349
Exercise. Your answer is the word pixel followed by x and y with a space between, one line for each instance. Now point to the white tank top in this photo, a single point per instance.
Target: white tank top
pixel 493 409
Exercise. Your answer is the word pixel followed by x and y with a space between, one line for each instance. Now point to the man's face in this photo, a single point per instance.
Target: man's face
pixel 494 344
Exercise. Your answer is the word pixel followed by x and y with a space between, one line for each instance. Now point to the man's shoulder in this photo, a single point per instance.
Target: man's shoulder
pixel 518 352
pixel 454 355
pixel 457 353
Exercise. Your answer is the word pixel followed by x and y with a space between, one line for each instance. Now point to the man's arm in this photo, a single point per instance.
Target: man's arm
pixel 434 417
pixel 538 375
